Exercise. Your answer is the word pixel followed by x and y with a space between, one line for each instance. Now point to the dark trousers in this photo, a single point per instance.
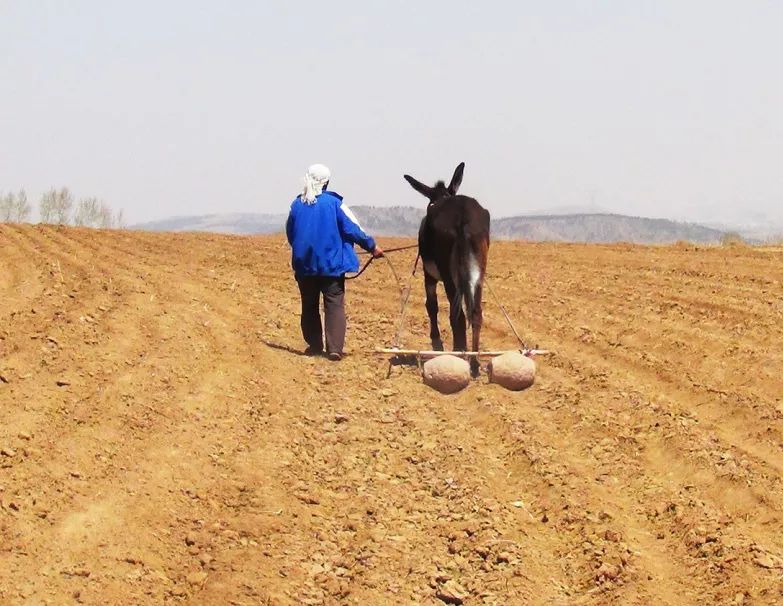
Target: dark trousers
pixel 333 290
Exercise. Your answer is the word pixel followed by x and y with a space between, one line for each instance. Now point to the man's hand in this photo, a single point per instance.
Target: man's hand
pixel 377 252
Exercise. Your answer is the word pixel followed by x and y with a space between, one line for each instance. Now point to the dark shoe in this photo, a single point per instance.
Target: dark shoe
pixel 335 357
pixel 313 351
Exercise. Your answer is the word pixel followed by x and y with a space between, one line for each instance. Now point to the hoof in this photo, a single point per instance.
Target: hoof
pixel 474 368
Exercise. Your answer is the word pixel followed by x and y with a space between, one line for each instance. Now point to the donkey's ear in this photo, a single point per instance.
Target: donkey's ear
pixel 456 180
pixel 419 187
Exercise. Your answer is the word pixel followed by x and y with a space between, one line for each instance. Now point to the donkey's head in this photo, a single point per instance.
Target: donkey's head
pixel 439 191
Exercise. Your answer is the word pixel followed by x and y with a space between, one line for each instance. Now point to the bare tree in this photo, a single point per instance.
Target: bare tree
pixel 14 208
pixel 87 213
pixel 22 208
pixel 105 216
pixel 46 206
pixel 6 203
pixel 119 219
pixel 63 208
pixel 55 206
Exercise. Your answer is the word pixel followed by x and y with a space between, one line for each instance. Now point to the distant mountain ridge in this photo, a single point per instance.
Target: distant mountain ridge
pixel 405 220
pixel 603 228
pixel 229 223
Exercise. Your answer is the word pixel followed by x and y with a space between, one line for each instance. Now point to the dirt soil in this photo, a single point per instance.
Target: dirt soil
pixel 162 440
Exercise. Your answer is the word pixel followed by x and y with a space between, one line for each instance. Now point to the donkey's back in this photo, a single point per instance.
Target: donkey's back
pixel 452 228
pixel 450 217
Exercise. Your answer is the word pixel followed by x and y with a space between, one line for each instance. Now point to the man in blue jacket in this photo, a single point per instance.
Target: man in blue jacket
pixel 322 230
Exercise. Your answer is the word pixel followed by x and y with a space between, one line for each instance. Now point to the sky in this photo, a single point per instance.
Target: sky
pixel 666 108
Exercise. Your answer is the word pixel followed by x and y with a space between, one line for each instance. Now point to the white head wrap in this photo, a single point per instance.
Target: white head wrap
pixel 314 182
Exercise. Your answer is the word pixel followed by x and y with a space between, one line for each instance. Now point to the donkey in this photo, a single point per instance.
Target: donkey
pixel 454 245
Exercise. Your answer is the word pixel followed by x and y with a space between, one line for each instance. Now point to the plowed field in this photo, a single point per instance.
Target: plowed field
pixel 162 439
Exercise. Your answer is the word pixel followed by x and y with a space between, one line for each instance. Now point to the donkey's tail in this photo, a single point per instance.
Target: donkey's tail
pixel 467 275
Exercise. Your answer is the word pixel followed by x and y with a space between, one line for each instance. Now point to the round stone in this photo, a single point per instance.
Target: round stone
pixel 512 370
pixel 447 374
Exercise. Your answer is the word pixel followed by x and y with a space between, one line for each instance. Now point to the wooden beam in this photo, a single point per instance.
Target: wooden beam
pixel 460 354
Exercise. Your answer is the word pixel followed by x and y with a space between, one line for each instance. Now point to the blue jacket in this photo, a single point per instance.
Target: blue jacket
pixel 322 236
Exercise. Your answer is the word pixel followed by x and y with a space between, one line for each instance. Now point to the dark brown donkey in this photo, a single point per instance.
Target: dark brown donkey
pixel 454 244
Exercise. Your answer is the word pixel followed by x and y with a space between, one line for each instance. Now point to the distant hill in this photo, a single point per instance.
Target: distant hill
pixel 405 220
pixel 603 228
pixel 235 223
pixel 586 227
pixel 390 220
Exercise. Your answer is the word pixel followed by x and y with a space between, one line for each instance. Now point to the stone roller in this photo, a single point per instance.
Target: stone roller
pixel 449 374
pixel 512 370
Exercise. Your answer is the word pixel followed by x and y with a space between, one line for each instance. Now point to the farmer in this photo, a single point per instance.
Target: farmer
pixel 322 230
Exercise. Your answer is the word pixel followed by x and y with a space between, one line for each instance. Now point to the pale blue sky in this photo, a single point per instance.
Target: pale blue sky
pixel 665 108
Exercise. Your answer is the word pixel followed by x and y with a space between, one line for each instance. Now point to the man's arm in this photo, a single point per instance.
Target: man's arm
pixel 352 231
pixel 289 227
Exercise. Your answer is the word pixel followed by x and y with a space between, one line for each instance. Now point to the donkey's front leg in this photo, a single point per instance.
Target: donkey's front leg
pixel 430 287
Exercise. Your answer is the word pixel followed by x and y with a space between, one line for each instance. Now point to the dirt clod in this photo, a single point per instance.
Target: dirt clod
pixel 451 592
pixel 340 418
pixel 196 578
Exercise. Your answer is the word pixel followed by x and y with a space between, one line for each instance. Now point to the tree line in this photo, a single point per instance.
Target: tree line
pixel 58 206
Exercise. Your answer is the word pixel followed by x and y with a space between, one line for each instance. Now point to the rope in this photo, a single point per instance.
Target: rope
pixel 391 250
pixel 404 305
pixel 406 293
pixel 394 273
pixel 371 259
pixel 361 271
pixel 505 313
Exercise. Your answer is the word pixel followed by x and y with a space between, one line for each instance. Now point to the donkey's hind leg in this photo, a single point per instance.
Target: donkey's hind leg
pixel 477 285
pixel 430 287
pixel 457 318
pixel 476 321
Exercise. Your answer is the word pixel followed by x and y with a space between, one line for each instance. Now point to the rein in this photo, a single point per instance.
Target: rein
pixel 371 259
pixel 390 250
pixel 361 271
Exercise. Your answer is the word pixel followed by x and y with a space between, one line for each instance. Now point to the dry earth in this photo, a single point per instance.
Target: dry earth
pixel 163 441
